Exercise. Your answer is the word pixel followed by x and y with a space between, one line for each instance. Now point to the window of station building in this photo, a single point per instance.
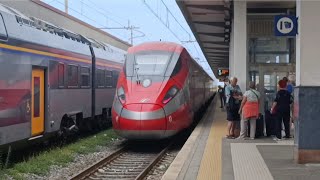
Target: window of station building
pixel 85 77
pixel 100 77
pixel 109 79
pixel 61 75
pixel 270 50
pixel 73 76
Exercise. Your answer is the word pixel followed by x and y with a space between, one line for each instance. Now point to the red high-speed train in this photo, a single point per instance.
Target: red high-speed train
pixel 159 90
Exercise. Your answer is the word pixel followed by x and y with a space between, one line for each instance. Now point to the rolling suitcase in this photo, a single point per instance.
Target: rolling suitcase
pixel 260 126
pixel 270 123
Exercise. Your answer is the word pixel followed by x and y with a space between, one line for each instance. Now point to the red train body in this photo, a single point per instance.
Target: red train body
pixel 158 92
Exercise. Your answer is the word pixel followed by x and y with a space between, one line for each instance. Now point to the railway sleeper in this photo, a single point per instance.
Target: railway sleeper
pixel 123 167
pixel 118 171
pixel 126 163
pixel 116 176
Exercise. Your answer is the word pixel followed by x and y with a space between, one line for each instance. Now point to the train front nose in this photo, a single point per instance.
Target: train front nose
pixel 141 121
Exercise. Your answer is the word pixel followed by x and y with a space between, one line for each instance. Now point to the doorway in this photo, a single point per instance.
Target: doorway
pixel 266 77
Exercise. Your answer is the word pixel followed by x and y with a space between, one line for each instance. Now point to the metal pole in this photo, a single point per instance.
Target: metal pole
pixel 131 29
pixel 66 6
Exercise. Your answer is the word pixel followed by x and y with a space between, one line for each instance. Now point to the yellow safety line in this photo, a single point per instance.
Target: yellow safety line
pixel 210 167
pixel 16 48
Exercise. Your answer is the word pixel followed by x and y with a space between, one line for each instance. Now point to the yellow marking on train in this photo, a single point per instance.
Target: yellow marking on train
pixel 210 167
pixel 16 48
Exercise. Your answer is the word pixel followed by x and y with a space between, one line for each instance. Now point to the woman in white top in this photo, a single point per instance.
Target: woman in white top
pixel 250 111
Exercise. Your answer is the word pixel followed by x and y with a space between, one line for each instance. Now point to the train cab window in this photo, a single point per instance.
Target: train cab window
pixel 100 78
pixel 73 76
pixel 108 78
pixel 151 64
pixel 177 68
pixel 61 75
pixel 85 77
pixel 3 30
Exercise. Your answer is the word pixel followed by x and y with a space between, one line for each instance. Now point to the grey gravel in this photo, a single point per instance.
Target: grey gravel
pixel 158 171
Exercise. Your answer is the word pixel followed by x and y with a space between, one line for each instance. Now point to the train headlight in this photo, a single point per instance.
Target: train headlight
pixel 173 91
pixel 121 95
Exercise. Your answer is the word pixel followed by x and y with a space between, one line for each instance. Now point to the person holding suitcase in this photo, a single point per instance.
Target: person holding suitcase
pixel 249 111
pixel 281 109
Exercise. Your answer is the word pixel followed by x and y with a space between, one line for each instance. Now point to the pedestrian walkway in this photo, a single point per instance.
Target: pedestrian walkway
pixel 207 155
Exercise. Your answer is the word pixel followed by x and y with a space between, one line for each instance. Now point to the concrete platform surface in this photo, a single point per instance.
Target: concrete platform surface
pixel 207 154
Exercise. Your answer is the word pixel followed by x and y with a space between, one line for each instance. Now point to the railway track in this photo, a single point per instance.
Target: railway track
pixel 129 162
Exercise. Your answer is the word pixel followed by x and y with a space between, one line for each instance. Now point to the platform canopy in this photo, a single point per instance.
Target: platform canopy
pixel 210 21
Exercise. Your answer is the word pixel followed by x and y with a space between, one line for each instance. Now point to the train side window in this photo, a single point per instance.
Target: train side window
pixel 177 68
pixel 108 79
pixel 100 78
pixel 85 77
pixel 115 78
pixel 73 76
pixel 3 29
pixel 61 75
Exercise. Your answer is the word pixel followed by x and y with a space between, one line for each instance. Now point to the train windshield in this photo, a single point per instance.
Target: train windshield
pixel 151 64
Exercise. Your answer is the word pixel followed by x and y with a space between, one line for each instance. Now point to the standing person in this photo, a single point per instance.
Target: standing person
pixel 289 85
pixel 221 94
pixel 281 108
pixel 233 98
pixel 250 111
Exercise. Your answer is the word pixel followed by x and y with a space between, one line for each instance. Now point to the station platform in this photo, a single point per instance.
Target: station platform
pixel 207 154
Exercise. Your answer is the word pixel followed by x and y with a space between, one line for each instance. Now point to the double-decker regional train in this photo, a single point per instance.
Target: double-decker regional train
pixel 52 80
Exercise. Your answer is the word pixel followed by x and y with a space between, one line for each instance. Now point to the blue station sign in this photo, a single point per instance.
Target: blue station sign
pixel 285 25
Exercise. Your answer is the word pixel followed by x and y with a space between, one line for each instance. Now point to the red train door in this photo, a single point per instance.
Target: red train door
pixel 37 105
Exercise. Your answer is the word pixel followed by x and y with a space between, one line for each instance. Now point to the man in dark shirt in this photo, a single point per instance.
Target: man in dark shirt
pixel 221 93
pixel 281 108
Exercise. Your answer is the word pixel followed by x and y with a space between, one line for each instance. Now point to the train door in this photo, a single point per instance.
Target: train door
pixel 38 94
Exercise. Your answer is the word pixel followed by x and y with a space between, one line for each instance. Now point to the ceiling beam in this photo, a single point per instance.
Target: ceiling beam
pixel 209 7
pixel 212 34
pixel 218 24
pixel 216 42
pixel 213 53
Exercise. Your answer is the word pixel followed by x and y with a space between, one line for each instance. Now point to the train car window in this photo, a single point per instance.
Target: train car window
pixel 3 29
pixel 108 78
pixel 115 78
pixel 85 77
pixel 61 75
pixel 73 76
pixel 177 68
pixel 100 78
pixel 36 103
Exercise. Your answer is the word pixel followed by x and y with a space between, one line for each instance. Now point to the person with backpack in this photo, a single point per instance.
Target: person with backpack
pixel 249 111
pixel 281 109
pixel 233 100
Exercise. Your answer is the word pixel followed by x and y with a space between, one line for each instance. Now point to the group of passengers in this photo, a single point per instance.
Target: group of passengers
pixel 244 108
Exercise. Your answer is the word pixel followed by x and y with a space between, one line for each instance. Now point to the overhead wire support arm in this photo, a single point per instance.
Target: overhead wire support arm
pixel 129 27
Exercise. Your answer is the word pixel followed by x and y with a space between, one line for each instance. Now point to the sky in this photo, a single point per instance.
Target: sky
pixel 141 14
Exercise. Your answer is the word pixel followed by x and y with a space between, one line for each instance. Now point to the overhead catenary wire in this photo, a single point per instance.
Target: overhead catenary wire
pixel 93 22
pixel 166 23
